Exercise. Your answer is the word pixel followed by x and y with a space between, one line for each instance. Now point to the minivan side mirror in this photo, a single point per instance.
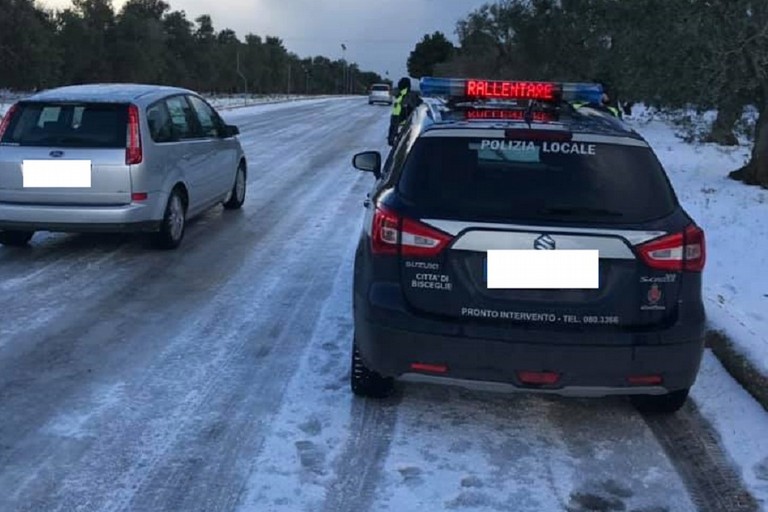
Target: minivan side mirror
pixel 369 161
pixel 230 131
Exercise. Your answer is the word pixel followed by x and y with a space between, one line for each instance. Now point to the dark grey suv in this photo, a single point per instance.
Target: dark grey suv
pixel 469 177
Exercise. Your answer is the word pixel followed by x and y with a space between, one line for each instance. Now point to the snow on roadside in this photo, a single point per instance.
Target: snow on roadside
pixel 236 102
pixel 225 103
pixel 740 421
pixel 733 216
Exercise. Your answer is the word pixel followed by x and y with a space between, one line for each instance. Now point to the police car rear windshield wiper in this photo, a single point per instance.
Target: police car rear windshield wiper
pixel 580 210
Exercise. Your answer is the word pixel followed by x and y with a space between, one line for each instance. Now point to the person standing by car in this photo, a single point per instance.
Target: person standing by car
pixel 607 103
pixel 405 103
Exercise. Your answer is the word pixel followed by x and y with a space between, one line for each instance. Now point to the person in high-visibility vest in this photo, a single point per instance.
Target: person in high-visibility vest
pixel 402 107
pixel 605 103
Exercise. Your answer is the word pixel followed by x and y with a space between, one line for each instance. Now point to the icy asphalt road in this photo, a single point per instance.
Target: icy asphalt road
pixel 215 378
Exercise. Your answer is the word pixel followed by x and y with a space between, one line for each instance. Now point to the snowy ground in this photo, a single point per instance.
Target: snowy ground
pixel 734 218
pixel 215 377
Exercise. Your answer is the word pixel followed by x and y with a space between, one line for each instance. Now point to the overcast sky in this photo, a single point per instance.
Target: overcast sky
pixel 379 34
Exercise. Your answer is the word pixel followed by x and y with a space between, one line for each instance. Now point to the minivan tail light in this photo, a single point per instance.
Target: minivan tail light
pixel 414 238
pixel 133 152
pixel 7 119
pixel 684 251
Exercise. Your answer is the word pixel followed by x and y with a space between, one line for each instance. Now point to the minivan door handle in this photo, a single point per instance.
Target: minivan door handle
pixel 367 203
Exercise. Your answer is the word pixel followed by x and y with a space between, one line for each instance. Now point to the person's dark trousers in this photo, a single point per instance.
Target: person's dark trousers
pixel 393 127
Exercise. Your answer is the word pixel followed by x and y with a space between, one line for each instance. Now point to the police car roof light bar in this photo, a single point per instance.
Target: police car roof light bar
pixel 461 88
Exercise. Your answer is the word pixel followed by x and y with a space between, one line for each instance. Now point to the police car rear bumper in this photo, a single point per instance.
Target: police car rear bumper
pixel 600 366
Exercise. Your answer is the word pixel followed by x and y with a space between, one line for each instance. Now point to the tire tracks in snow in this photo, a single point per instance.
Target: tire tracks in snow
pixel 693 447
pixel 360 465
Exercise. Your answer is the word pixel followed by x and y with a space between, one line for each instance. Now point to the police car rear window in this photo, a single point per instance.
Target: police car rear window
pixel 503 179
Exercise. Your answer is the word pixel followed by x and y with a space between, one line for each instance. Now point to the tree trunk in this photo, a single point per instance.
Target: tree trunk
pixel 756 170
pixel 722 129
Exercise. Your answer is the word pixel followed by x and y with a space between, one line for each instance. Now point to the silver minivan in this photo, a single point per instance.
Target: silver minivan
pixel 380 93
pixel 113 158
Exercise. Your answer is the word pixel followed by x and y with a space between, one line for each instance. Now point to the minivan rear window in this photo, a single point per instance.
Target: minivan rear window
pixel 71 125
pixel 380 88
pixel 505 180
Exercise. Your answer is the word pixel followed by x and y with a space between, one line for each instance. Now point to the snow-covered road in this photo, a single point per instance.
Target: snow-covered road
pixel 214 378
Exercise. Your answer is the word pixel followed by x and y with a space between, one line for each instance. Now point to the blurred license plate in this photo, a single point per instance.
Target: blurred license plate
pixel 537 269
pixel 56 173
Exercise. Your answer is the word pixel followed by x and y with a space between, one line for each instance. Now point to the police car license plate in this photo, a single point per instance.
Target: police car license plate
pixel 535 269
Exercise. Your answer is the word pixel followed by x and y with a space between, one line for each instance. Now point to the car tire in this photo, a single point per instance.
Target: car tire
pixel 660 404
pixel 366 382
pixel 16 238
pixel 236 196
pixel 174 222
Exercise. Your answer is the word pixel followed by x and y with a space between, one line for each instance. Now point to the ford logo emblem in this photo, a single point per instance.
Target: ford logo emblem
pixel 56 154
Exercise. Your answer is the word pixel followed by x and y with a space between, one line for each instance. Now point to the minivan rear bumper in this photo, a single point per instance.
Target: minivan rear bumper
pixel 376 98
pixel 77 219
pixel 599 364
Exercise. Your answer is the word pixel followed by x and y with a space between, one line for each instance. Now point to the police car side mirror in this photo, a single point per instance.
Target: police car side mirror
pixel 369 161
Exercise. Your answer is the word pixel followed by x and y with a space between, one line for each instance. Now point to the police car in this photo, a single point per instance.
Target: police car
pixel 512 239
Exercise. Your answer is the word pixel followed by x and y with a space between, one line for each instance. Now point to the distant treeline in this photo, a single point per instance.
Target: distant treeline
pixel 147 42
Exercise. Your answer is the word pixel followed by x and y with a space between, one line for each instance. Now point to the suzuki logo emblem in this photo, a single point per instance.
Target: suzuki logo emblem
pixel 544 242
pixel 56 154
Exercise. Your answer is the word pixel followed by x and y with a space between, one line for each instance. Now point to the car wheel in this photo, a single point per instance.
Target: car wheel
pixel 174 222
pixel 236 196
pixel 660 404
pixel 16 238
pixel 366 382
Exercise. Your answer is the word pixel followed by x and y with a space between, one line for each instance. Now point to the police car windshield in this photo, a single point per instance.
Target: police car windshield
pixel 500 179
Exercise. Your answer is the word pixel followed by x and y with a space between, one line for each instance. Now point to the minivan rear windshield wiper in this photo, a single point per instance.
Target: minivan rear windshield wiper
pixel 580 210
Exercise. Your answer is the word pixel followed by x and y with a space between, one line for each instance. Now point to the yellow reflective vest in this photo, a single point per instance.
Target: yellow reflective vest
pixel 397 106
pixel 577 105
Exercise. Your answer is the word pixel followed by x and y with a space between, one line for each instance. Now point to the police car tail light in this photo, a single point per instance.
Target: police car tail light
pixel 695 249
pixel 645 380
pixel 679 251
pixel 413 238
pixel 133 153
pixel 538 378
pixel 7 119
pixel 429 368
pixel 385 232
pixel 418 239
